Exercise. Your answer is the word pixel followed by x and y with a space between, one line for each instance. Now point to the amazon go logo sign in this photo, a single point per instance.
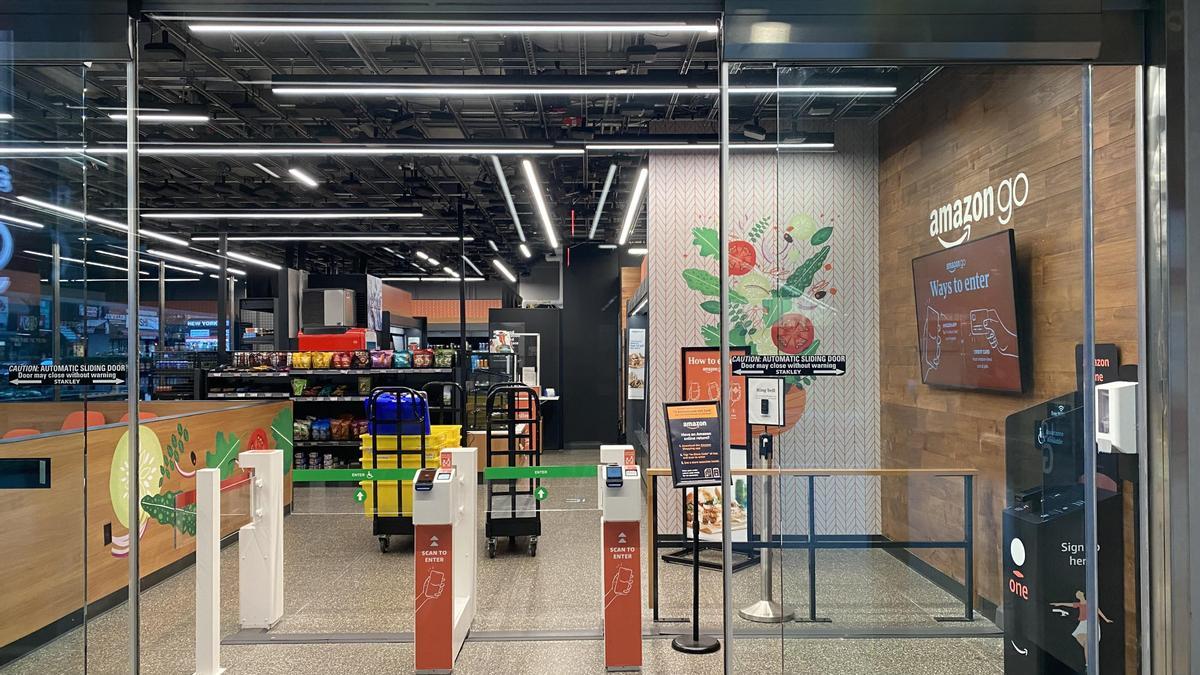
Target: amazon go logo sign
pixel 950 223
pixel 1016 583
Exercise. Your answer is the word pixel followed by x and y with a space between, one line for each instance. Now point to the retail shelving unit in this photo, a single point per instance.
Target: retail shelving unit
pixel 278 384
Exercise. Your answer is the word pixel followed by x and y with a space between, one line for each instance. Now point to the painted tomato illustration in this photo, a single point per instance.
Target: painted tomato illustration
pixel 742 257
pixel 793 333
pixel 258 440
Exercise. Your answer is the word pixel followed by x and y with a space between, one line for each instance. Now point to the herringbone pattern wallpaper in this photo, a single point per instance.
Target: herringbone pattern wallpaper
pixel 840 427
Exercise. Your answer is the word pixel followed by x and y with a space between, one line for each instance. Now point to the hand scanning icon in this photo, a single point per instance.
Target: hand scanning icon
pixel 432 589
pixel 999 337
pixel 622 584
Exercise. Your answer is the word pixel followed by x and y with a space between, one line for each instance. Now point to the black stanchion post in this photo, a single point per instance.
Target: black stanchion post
pixel 696 644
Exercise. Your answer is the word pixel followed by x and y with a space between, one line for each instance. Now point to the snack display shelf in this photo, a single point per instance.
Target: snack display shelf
pixel 249 394
pixel 248 373
pixel 302 399
pixel 327 444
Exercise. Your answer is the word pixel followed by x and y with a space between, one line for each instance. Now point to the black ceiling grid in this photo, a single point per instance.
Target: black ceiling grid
pixel 232 77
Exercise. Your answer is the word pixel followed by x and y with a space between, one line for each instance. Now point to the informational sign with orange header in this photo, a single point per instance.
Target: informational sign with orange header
pixel 434 602
pixel 694 439
pixel 622 595
pixel 701 377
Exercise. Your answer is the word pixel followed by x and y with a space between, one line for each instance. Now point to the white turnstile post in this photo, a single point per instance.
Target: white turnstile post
pixel 445 543
pixel 260 544
pixel 208 572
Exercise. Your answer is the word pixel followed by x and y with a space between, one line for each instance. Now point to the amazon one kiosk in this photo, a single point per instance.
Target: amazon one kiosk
pixel 620 486
pixel 445 558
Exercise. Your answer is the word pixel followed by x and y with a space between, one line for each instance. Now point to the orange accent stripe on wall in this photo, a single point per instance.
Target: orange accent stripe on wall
pixel 446 311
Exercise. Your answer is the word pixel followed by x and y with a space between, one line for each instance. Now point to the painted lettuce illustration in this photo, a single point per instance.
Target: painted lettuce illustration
pixel 776 290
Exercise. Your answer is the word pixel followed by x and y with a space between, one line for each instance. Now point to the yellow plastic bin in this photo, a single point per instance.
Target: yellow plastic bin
pixel 441 436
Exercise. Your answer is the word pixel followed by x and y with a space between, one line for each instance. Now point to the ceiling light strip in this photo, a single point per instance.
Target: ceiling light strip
pixel 151 263
pixel 536 188
pixel 93 263
pixel 441 92
pixel 612 171
pixel 79 215
pixel 525 251
pixel 304 178
pixel 193 261
pixel 504 270
pixel 264 169
pixel 164 117
pixel 249 259
pixel 472 265
pixel 20 222
pixel 333 238
pixel 442 27
pixel 635 206
pixel 423 279
pixel 341 214
pixel 512 209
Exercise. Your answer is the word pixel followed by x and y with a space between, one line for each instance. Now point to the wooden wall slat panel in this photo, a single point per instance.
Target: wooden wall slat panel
pixel 969 128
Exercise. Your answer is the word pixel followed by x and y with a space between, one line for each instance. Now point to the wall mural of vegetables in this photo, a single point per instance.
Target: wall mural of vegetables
pixel 779 287
pixel 158 465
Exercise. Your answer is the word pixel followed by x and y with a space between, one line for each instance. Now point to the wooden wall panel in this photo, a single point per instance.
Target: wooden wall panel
pixel 42 557
pixel 971 127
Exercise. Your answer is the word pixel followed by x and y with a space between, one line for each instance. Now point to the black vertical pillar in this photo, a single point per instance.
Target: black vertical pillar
pixel 222 295
pixel 464 356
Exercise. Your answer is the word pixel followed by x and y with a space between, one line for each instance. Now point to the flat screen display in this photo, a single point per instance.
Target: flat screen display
pixel 968 332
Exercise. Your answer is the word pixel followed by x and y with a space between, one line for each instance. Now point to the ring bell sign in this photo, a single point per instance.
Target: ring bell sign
pixel 950 223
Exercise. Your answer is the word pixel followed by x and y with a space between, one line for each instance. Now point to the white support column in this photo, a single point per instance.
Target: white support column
pixel 208 572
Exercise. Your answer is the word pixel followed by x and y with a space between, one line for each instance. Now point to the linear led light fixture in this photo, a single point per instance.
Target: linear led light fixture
pixel 79 215
pixel 641 250
pixel 277 150
pixel 818 89
pixel 612 171
pixel 472 265
pixel 422 255
pixel 640 307
pixel 635 206
pixel 492 245
pixel 328 150
pixel 115 281
pixel 460 91
pixel 504 270
pixel 253 261
pixel 512 209
pixel 265 170
pixel 342 214
pixel 164 117
pixel 525 250
pixel 332 238
pixel 447 269
pixel 712 147
pixel 20 222
pixel 82 262
pixel 192 261
pixel 423 279
pixel 536 188
pixel 169 266
pixel 607 247
pixel 433 262
pixel 6 117
pixel 304 178
pixel 326 27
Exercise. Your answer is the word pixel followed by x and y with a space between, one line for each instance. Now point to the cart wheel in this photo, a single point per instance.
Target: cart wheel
pixel 384 542
pixel 491 548
pixel 533 547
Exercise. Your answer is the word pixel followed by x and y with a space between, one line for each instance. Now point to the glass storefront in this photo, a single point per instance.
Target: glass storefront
pixel 915 290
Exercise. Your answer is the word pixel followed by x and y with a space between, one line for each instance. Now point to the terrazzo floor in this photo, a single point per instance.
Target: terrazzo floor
pixel 337 581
